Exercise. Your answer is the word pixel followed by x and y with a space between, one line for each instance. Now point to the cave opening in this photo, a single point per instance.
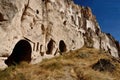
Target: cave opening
pixel 62 46
pixel 37 11
pixel 50 46
pixel 21 52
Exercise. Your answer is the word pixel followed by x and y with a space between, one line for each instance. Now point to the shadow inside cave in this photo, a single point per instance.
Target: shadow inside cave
pixel 21 52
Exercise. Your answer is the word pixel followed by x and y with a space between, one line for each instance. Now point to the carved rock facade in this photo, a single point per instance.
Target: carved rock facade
pixel 51 27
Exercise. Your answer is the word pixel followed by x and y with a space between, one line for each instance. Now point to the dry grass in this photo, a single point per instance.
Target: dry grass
pixel 74 65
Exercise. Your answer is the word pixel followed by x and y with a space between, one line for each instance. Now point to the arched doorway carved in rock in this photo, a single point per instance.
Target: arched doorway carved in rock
pixel 50 46
pixel 62 46
pixel 21 52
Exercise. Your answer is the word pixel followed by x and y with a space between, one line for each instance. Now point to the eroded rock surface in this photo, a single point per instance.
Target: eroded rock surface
pixel 45 23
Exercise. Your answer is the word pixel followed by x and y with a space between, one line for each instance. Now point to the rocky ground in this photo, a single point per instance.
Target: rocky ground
pixel 82 64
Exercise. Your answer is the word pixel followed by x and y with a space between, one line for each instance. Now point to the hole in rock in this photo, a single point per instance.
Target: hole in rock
pixel 50 47
pixel 37 11
pixel 21 52
pixel 65 22
pixel 62 46
pixel 2 17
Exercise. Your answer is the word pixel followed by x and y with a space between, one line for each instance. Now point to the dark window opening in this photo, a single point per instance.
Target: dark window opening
pixel 41 53
pixel 79 21
pixel 43 29
pixel 37 11
pixel 37 49
pixel 21 52
pixel 62 46
pixel 2 18
pixel 50 47
pixel 65 22
pixel 73 41
pixel 72 18
pixel 33 46
pixel 31 27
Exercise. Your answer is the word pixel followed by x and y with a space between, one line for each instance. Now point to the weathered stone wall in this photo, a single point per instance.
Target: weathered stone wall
pixel 51 27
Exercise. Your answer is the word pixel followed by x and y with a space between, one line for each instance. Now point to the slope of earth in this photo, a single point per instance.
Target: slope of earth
pixel 49 27
pixel 74 65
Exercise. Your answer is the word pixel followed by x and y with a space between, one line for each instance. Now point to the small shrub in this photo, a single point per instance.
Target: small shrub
pixel 80 75
pixel 6 74
pixel 82 55
pixel 104 65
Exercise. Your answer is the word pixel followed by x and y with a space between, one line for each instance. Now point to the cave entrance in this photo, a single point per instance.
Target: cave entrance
pixel 50 46
pixel 62 46
pixel 21 52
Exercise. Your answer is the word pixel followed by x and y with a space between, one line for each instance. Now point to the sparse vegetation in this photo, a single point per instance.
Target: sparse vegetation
pixel 74 65
pixel 104 65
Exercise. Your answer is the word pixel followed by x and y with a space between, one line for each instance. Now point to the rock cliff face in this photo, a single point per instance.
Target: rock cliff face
pixel 51 27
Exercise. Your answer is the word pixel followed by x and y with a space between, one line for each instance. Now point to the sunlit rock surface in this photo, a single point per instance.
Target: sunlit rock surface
pixel 51 27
